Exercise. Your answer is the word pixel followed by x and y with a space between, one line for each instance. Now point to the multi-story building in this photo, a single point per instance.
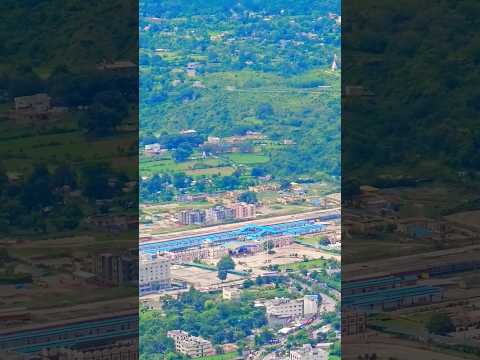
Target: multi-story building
pixel 154 272
pixel 116 269
pixel 231 293
pixel 192 346
pixel 219 214
pixel 307 352
pixel 205 252
pixel 353 323
pixel 283 307
pixel 282 310
pixel 244 211
pixel 192 217
pixel 37 102
pixel 154 149
pixel 310 305
pixel 114 351
pixel 191 197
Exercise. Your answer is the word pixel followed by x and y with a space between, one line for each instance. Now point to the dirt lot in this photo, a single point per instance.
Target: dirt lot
pixel 287 255
pixel 468 218
pixel 199 277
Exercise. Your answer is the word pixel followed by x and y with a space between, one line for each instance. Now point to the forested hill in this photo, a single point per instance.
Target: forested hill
pixel 420 60
pixel 227 67
pixel 171 8
pixel 45 34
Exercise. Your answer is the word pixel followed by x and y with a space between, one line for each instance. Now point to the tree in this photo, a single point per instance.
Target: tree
pixel 180 180
pixel 258 171
pixel 107 111
pixel 249 197
pixel 248 284
pixel 64 175
pixel 37 192
pixel 229 182
pixel 226 263
pixel 264 111
pixel 264 337
pixel 4 256
pixel 284 184
pixel 222 275
pixel 440 324
pixel 96 181
pixel 268 245
pixel 182 152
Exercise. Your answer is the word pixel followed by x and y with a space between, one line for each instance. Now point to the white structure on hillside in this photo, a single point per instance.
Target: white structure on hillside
pixel 38 102
pixel 192 346
pixel 231 293
pixel 310 305
pixel 307 352
pixel 334 66
pixel 154 272
pixel 281 311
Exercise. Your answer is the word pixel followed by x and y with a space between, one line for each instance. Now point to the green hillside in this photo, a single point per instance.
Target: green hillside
pixel 44 34
pixel 257 68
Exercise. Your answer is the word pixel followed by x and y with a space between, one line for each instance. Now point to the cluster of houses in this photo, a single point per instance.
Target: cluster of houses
pixel 35 107
pixel 380 214
pixel 217 214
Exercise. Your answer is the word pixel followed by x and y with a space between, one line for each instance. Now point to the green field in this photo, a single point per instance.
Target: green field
pixel 310 240
pixel 69 145
pixel 227 356
pixel 248 159
pixel 151 166
pixel 210 166
pixel 304 265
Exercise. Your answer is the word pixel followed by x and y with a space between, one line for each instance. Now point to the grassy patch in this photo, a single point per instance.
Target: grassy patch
pixel 227 356
pixel 304 265
pixel 248 159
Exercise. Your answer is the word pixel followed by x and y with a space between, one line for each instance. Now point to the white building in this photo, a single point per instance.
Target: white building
pixel 334 66
pixel 213 140
pixel 283 307
pixel 307 352
pixel 154 272
pixel 281 311
pixel 231 293
pixel 154 149
pixel 37 102
pixel 192 346
pixel 310 305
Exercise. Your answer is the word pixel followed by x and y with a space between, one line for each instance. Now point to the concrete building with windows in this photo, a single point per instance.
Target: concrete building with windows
pixel 310 305
pixel 244 210
pixel 115 269
pixel 154 272
pixel 192 217
pixel 307 352
pixel 204 252
pixel 353 323
pixel 109 352
pixel 37 102
pixel 281 311
pixel 192 346
pixel 219 214
pixel 231 293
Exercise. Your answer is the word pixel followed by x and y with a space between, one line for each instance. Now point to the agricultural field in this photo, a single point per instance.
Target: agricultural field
pixel 228 356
